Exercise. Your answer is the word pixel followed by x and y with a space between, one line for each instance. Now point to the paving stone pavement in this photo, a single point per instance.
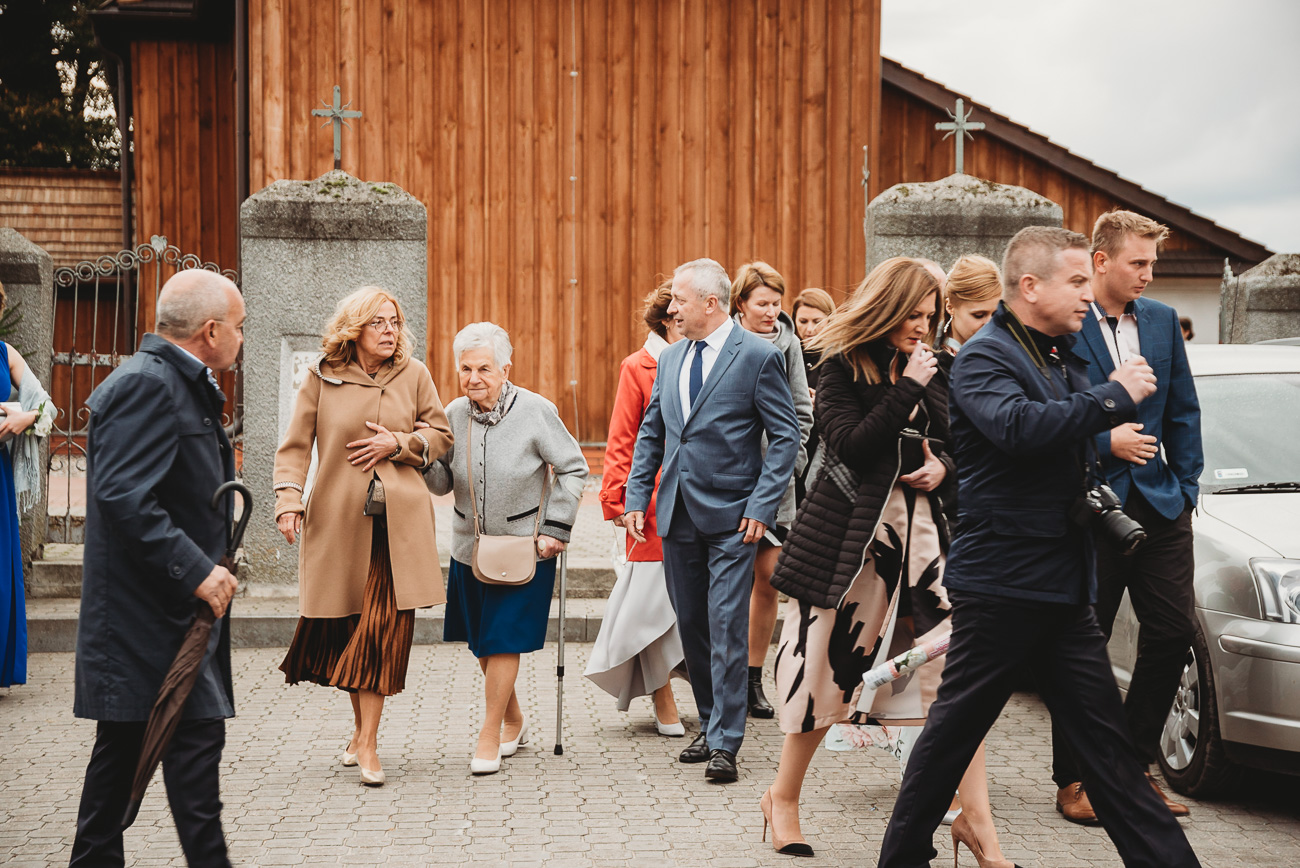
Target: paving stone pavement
pixel 616 797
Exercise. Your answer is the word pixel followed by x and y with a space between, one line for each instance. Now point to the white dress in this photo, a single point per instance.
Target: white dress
pixel 638 648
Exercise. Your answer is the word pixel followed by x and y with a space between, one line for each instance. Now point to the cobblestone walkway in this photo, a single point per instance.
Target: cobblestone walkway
pixel 615 798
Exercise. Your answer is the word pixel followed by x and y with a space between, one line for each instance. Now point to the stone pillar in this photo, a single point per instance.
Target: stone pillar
pixel 27 273
pixel 942 220
pixel 305 245
pixel 1263 303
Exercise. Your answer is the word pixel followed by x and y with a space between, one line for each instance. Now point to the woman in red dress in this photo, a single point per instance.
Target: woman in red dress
pixel 638 648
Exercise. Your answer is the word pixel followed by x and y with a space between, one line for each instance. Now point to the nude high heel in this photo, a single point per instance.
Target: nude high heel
pixel 962 831
pixel 786 848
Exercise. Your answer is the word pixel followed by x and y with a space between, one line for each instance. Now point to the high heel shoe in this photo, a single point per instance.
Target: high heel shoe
pixel 787 848
pixel 963 832
pixel 510 748
pixel 671 730
pixel 485 766
pixel 372 779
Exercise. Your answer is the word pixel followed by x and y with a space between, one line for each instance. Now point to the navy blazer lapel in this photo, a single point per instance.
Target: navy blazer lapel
pixel 670 366
pixel 1149 334
pixel 1096 344
pixel 726 356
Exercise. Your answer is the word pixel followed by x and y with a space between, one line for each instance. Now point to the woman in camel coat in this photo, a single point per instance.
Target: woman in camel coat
pixel 372 412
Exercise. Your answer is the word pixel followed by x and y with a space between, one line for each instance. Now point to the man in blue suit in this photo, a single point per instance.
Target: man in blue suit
pixel 1157 487
pixel 1020 569
pixel 714 398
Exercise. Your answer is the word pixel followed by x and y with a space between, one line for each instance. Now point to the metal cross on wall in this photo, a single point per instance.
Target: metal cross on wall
pixel 960 125
pixel 336 114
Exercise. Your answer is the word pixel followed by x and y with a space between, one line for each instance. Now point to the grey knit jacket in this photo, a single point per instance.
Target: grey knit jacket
pixel 510 460
pixel 787 342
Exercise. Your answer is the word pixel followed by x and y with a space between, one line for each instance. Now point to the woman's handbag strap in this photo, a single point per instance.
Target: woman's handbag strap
pixel 473 495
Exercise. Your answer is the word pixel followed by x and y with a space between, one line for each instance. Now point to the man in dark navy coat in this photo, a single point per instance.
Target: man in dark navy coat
pixel 1020 572
pixel 1158 487
pixel 156 452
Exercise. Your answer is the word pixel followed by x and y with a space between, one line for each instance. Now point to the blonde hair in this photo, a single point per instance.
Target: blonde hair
pixel 351 315
pixel 881 303
pixel 1111 228
pixel 750 277
pixel 973 280
pixel 818 299
pixel 657 302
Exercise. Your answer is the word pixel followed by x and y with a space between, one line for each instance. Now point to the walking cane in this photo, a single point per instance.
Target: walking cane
pixel 559 665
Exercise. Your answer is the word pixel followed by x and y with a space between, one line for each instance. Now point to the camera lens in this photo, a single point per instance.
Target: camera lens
pixel 1122 532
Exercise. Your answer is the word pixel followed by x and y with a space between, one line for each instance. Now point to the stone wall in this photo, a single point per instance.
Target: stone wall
pixel 27 273
pixel 1263 303
pixel 305 245
pixel 942 220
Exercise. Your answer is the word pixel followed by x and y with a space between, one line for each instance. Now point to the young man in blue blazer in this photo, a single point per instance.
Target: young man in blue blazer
pixel 1154 465
pixel 714 398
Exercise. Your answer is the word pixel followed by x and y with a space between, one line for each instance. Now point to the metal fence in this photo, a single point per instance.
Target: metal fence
pixel 102 307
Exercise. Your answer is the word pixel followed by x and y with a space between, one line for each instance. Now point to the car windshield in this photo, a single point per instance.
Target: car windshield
pixel 1249 424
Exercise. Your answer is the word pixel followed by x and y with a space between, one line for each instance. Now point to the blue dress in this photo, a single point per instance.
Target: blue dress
pixel 497 619
pixel 13 607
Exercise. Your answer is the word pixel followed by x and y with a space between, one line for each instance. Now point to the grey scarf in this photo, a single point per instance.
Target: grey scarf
pixel 497 413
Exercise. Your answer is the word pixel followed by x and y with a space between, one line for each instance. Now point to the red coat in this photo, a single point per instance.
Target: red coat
pixel 636 378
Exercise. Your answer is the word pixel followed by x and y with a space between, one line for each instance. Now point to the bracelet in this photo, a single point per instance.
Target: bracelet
pixel 396 452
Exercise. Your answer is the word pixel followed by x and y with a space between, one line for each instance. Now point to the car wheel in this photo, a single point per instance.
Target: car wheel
pixel 1191 751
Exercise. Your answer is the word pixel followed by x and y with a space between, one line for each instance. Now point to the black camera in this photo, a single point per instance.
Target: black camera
pixel 1100 508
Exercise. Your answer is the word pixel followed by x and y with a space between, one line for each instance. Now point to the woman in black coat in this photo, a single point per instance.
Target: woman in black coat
pixel 864 559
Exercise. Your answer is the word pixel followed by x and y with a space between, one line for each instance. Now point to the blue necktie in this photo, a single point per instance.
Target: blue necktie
pixel 697 371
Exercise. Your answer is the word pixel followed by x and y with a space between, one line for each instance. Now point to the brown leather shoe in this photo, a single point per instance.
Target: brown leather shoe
pixel 1178 810
pixel 1073 804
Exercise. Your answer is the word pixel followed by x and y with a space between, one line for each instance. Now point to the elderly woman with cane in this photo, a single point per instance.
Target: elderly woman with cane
pixel 508 442
pixel 373 415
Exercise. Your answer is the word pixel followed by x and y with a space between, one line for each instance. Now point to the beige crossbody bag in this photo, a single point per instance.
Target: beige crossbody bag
pixel 501 560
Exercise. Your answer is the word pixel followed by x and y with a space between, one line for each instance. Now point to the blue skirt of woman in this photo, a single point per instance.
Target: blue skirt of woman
pixel 13 609
pixel 498 619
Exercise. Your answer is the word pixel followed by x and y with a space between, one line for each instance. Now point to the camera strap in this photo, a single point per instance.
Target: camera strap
pixel 1092 466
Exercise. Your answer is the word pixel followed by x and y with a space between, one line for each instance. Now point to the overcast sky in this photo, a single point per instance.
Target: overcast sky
pixel 1196 100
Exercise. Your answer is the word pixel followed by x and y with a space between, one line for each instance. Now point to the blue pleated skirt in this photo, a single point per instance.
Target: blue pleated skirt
pixel 497 619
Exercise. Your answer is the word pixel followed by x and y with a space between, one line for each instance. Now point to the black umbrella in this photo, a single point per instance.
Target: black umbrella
pixel 184 671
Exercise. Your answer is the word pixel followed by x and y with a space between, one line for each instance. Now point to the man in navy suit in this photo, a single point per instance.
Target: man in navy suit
pixel 1020 569
pixel 714 398
pixel 1158 487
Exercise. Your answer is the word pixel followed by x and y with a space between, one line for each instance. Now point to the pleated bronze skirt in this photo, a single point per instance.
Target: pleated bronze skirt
pixel 370 651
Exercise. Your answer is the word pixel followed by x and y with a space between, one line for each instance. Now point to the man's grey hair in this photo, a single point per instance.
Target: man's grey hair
pixel 191 298
pixel 708 277
pixel 1036 250
pixel 483 334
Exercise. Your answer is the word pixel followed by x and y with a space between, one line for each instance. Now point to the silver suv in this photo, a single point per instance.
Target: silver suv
pixel 1239 700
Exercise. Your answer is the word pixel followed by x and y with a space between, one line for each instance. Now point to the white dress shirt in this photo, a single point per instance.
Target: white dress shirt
pixel 1123 341
pixel 713 345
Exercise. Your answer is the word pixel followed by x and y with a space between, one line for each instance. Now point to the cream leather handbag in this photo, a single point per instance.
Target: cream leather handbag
pixel 501 560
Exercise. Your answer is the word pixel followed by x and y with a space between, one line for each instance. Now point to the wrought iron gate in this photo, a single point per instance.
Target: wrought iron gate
pixel 101 309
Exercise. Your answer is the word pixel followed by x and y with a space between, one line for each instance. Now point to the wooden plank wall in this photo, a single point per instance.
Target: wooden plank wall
pixel 693 128
pixel 74 214
pixel 911 151
pixel 184 131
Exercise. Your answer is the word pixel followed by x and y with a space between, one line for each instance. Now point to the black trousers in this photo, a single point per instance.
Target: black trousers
pixel 1159 579
pixel 992 638
pixel 190 773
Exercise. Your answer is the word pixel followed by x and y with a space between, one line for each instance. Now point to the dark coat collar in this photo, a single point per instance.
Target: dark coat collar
pixel 183 361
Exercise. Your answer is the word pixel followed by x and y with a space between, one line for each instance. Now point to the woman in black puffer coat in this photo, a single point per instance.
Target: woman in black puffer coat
pixel 863 563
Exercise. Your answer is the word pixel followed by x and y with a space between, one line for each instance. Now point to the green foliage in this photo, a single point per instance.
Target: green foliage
pixel 56 100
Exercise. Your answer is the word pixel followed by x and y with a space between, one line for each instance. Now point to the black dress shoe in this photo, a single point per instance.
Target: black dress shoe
pixel 758 704
pixel 721 767
pixel 696 752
